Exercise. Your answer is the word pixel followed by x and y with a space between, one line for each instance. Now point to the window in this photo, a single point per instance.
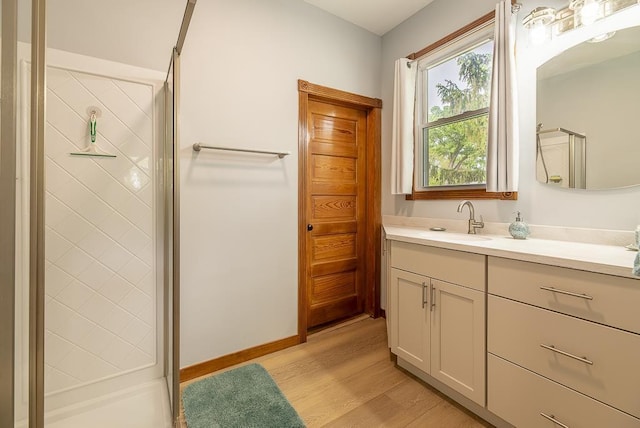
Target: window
pixel 452 111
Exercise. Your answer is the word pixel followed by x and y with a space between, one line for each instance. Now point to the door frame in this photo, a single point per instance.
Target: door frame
pixel 371 269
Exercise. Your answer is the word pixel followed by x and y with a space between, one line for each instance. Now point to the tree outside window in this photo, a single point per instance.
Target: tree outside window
pixel 455 129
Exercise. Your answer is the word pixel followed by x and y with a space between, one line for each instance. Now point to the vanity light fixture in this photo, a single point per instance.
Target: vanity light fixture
pixel 537 22
pixel 586 12
pixel 602 37
pixel 545 22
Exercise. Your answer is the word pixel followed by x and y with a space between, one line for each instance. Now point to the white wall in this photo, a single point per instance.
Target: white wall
pixel 540 204
pixel 240 67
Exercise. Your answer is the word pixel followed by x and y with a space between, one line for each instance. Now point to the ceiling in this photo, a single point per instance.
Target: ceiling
pixel 377 16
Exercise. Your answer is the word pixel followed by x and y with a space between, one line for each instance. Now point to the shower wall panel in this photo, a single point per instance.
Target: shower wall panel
pixel 100 282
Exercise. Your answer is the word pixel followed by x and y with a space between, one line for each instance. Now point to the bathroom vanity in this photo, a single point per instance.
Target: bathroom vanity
pixel 524 332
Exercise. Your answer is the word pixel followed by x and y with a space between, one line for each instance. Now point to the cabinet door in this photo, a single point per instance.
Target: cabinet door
pixel 409 317
pixel 458 339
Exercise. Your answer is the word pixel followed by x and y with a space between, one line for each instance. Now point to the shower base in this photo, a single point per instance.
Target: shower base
pixel 143 406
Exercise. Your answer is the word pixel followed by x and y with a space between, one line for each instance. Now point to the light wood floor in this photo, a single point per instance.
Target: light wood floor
pixel 343 377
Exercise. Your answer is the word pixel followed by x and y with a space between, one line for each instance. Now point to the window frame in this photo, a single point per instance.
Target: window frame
pixel 464 38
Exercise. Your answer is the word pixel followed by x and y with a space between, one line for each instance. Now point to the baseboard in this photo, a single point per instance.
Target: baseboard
pixel 207 367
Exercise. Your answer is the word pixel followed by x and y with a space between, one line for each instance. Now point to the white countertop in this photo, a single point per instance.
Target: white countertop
pixel 606 259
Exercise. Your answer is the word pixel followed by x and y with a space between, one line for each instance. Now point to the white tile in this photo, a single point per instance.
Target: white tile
pixel 115 288
pixel 138 153
pixel 56 380
pixel 55 279
pixel 117 351
pixel 114 225
pixel 121 105
pixel 137 359
pixel 134 179
pixel 140 94
pixel 55 211
pixel 57 179
pixel 134 270
pixel 148 254
pixel 147 312
pixel 62 117
pixel 96 340
pixel 148 343
pixel 94 243
pixel 59 153
pixel 74 261
pixel 135 301
pixel 73 228
pixel 86 366
pixel 146 284
pixel 66 323
pixel 75 295
pixel 85 203
pixel 146 194
pixel 137 213
pixel 116 320
pixel 55 246
pixel 96 308
pixel 95 275
pixel 55 348
pixel 114 257
pixel 135 241
pixel 135 331
pixel 58 146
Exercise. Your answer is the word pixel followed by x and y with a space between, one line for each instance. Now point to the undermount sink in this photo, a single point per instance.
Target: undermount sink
pixel 452 236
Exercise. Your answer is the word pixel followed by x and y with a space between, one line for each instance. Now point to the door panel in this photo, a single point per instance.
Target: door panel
pixel 335 211
pixel 458 339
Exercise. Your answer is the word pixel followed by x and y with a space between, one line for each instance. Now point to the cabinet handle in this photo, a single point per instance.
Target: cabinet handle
pixel 433 297
pixel 566 354
pixel 424 294
pixel 554 420
pixel 568 293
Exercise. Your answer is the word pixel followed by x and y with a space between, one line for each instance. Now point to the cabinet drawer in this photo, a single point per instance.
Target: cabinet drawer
pixel 600 298
pixel 458 267
pixel 520 397
pixel 516 332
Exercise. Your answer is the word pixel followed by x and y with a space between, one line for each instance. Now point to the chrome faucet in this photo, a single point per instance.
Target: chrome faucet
pixel 473 224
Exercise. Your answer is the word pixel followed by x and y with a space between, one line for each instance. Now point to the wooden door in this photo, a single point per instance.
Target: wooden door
pixel 335 208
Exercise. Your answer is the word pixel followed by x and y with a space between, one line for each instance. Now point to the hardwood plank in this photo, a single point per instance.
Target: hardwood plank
pixel 343 377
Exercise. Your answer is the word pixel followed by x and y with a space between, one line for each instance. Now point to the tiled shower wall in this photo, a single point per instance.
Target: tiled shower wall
pixel 100 284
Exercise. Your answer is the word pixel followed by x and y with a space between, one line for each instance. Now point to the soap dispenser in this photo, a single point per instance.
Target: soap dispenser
pixel 519 229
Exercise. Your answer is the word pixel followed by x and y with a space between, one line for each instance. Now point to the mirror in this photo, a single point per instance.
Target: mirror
pixel 588 102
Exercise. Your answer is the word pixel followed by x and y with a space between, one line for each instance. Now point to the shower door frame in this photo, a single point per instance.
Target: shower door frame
pixel 8 125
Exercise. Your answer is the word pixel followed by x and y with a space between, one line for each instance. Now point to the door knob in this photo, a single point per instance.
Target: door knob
pixel 309 227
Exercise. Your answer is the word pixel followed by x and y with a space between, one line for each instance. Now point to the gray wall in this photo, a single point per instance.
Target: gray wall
pixel 240 212
pixel 136 32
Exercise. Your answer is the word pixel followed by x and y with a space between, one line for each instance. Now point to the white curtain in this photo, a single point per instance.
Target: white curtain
pixel 502 148
pixel 404 94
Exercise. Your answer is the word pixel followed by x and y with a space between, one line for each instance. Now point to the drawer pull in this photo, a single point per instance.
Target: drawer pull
pixel 566 354
pixel 554 420
pixel 433 298
pixel 424 294
pixel 568 293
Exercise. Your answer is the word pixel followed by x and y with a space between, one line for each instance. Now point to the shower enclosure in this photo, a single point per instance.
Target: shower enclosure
pixel 89 257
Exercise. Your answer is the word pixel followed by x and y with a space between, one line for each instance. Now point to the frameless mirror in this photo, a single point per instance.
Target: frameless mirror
pixel 588 105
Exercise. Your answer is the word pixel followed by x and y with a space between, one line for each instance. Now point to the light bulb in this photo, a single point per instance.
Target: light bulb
pixel 589 12
pixel 538 33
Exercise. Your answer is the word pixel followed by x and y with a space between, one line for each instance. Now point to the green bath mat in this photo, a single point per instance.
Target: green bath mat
pixel 246 397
